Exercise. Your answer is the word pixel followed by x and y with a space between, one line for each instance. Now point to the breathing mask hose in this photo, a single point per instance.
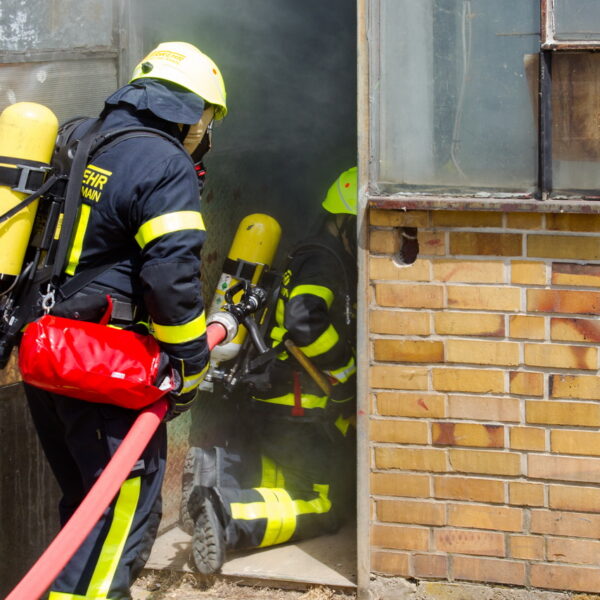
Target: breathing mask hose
pixel 83 520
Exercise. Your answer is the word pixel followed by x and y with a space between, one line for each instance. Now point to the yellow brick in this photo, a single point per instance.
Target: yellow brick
pixel 383 241
pixel 569 441
pixel 584 387
pixel 385 268
pixel 469 488
pixel 399 378
pixel 562 413
pixel 484 408
pixel 432 243
pixel 574 498
pixel 553 522
pixel 527 438
pixel 399 432
pixel 573 222
pixel 562 577
pixel 482 381
pixel 564 468
pixel 399 323
pixel 397 404
pixel 400 484
pixel 575 330
pixel 461 218
pixel 482 353
pixel 485 462
pixel 411 511
pixel 489 570
pixel 479 324
pixel 583 552
pixel 486 244
pixel 563 301
pixel 479 543
pixel 496 518
pixel 467 434
pixel 408 459
pixel 387 350
pixel 524 221
pixel 526 494
pixel 526 547
pixel 564 246
pixel 400 538
pixel 398 218
pixel 528 273
pixel 468 271
pixel 390 563
pixel 561 357
pixel 484 298
pixel 409 296
pixel 524 383
pixel 576 274
pixel 532 328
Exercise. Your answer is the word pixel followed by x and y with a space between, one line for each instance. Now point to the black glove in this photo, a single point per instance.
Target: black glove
pixel 179 403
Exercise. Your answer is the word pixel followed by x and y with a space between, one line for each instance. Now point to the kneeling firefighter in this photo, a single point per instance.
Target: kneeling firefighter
pixel 138 236
pixel 295 479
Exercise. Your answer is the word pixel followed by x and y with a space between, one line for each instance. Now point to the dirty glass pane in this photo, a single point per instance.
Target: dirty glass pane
pixel 69 88
pixel 575 132
pixel 453 108
pixel 577 19
pixel 54 24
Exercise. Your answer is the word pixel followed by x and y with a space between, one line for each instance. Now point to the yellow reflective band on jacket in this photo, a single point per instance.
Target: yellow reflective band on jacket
pixel 308 400
pixel 280 312
pixel 315 290
pixel 193 381
pixel 112 549
pixel 272 475
pixel 327 340
pixel 77 245
pixel 168 223
pixel 281 520
pixel 179 334
pixel 344 373
pixel 319 505
pixel 342 424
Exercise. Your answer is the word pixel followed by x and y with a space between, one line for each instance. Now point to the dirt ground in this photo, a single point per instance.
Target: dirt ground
pixel 161 585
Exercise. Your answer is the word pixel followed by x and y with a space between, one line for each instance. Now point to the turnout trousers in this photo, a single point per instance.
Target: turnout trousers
pixel 294 482
pixel 79 439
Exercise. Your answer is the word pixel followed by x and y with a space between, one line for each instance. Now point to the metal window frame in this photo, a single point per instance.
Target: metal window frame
pixel 540 201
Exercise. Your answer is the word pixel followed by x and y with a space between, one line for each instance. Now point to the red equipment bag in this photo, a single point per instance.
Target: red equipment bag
pixel 91 361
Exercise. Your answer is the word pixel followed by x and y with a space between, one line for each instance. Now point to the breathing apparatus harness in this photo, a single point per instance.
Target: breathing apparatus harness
pixel 41 282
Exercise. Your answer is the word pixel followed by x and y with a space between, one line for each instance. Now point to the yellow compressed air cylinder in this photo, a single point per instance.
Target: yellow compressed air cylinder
pixel 27 131
pixel 256 241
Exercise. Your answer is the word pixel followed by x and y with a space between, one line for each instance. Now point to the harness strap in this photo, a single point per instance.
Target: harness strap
pixel 26 177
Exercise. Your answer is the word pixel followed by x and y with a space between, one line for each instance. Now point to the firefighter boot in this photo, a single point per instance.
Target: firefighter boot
pixel 199 473
pixel 208 541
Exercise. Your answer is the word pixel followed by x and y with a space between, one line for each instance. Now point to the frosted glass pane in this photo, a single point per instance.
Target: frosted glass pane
pixel 54 25
pixel 577 19
pixel 69 88
pixel 453 108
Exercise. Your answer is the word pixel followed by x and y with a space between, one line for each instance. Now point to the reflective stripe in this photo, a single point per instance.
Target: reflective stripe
pixel 342 424
pixel 272 475
pixel 277 334
pixel 281 522
pixel 179 334
pixel 280 312
pixel 77 246
pixel 319 505
pixel 327 340
pixel 249 511
pixel 308 400
pixel 168 223
pixel 114 543
pixel 193 381
pixel 344 373
pixel 63 596
pixel 314 290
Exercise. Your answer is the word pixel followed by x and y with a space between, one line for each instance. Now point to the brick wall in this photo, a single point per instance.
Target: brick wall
pixel 484 440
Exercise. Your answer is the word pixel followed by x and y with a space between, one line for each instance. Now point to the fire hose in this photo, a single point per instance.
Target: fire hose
pixel 41 575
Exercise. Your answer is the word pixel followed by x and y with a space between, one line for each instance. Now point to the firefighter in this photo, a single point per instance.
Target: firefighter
pixel 140 215
pixel 295 481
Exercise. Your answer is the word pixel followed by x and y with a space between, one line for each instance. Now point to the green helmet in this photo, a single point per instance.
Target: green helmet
pixel 343 194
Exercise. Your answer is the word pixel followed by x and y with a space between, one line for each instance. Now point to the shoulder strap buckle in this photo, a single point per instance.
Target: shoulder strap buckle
pixel 24 185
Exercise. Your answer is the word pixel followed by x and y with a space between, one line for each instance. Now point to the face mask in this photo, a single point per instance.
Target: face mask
pixel 199 131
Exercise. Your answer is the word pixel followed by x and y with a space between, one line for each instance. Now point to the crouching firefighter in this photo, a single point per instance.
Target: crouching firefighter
pixel 136 237
pixel 295 481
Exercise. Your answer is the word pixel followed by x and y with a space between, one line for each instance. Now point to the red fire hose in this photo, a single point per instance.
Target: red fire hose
pixel 83 520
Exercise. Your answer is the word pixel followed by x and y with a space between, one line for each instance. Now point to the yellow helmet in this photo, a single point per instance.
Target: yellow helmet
pixel 343 194
pixel 185 65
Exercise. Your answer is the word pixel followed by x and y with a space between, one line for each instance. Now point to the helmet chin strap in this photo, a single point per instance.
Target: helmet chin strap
pixel 197 132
